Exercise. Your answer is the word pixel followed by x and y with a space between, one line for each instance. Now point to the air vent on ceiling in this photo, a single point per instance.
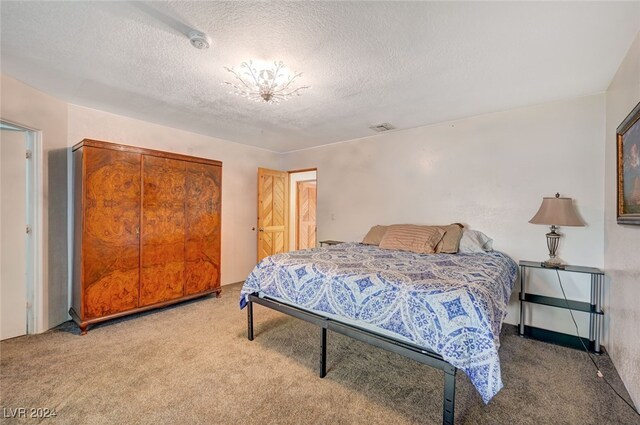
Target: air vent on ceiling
pixel 379 128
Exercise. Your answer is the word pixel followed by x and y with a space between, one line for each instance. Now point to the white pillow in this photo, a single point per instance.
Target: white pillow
pixel 475 241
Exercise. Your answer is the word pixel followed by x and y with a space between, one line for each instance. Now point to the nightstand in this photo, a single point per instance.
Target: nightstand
pixel 330 242
pixel 593 307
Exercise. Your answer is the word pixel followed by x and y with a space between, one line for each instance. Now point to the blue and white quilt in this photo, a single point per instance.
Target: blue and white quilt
pixel 450 304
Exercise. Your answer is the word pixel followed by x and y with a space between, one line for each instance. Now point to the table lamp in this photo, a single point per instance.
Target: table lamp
pixel 556 212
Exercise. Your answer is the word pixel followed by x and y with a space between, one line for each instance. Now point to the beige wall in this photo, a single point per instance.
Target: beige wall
pixel 489 172
pixel 33 109
pixel 239 174
pixel 622 243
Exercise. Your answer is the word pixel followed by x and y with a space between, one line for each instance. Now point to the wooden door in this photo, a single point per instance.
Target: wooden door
pixel 306 214
pixel 111 258
pixel 203 211
pixel 162 248
pixel 273 212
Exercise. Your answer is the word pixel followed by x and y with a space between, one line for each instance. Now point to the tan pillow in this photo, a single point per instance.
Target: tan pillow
pixel 410 237
pixel 375 235
pixel 450 243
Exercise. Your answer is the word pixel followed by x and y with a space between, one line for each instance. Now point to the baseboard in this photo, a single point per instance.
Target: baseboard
pixel 233 283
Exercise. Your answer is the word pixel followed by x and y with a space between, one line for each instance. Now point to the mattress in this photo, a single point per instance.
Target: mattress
pixel 452 305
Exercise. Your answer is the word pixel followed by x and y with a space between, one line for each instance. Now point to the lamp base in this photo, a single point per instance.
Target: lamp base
pixel 553 238
pixel 548 265
pixel 553 263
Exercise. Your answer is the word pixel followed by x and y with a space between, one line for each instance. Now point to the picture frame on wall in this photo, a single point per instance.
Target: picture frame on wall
pixel 628 154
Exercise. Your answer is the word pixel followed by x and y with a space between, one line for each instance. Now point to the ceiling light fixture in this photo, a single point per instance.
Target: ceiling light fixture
pixel 265 84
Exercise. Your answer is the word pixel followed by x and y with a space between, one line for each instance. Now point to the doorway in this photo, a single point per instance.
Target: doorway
pixel 302 212
pixel 20 218
pixel 286 210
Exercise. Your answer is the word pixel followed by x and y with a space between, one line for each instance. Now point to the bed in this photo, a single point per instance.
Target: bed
pixel 443 310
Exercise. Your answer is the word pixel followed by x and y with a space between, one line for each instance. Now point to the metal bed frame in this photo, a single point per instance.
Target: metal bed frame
pixel 390 344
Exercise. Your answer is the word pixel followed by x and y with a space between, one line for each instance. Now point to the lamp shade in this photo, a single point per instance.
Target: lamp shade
pixel 557 211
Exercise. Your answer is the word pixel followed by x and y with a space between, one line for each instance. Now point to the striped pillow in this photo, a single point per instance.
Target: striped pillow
pixel 375 235
pixel 410 237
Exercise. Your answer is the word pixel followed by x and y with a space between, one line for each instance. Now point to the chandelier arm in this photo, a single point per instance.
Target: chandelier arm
pixel 296 92
pixel 241 91
pixel 252 74
pixel 276 72
pixel 282 89
pixel 290 81
pixel 239 78
pixel 286 85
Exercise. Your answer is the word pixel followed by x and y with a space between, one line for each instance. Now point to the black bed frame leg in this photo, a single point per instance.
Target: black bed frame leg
pixel 250 321
pixel 323 354
pixel 449 395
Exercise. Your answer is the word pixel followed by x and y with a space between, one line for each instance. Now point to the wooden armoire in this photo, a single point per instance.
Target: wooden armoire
pixel 146 230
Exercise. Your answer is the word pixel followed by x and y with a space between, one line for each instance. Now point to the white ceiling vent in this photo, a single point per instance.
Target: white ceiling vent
pixel 379 128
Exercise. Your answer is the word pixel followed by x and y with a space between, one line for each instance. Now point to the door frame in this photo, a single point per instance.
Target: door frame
pixel 35 219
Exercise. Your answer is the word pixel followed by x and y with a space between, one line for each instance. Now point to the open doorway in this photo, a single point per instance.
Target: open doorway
pixel 20 230
pixel 302 209
pixel 286 219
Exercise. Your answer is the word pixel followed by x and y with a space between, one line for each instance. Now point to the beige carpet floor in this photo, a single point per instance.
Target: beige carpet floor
pixel 192 364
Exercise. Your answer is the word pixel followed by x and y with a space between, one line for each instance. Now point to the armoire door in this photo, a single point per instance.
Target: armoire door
pixel 111 229
pixel 203 210
pixel 162 247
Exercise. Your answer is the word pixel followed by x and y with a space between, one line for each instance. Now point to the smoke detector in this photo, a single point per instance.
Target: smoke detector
pixel 199 40
pixel 379 128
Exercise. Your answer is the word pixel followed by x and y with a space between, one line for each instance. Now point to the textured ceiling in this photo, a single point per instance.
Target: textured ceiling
pixel 409 64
